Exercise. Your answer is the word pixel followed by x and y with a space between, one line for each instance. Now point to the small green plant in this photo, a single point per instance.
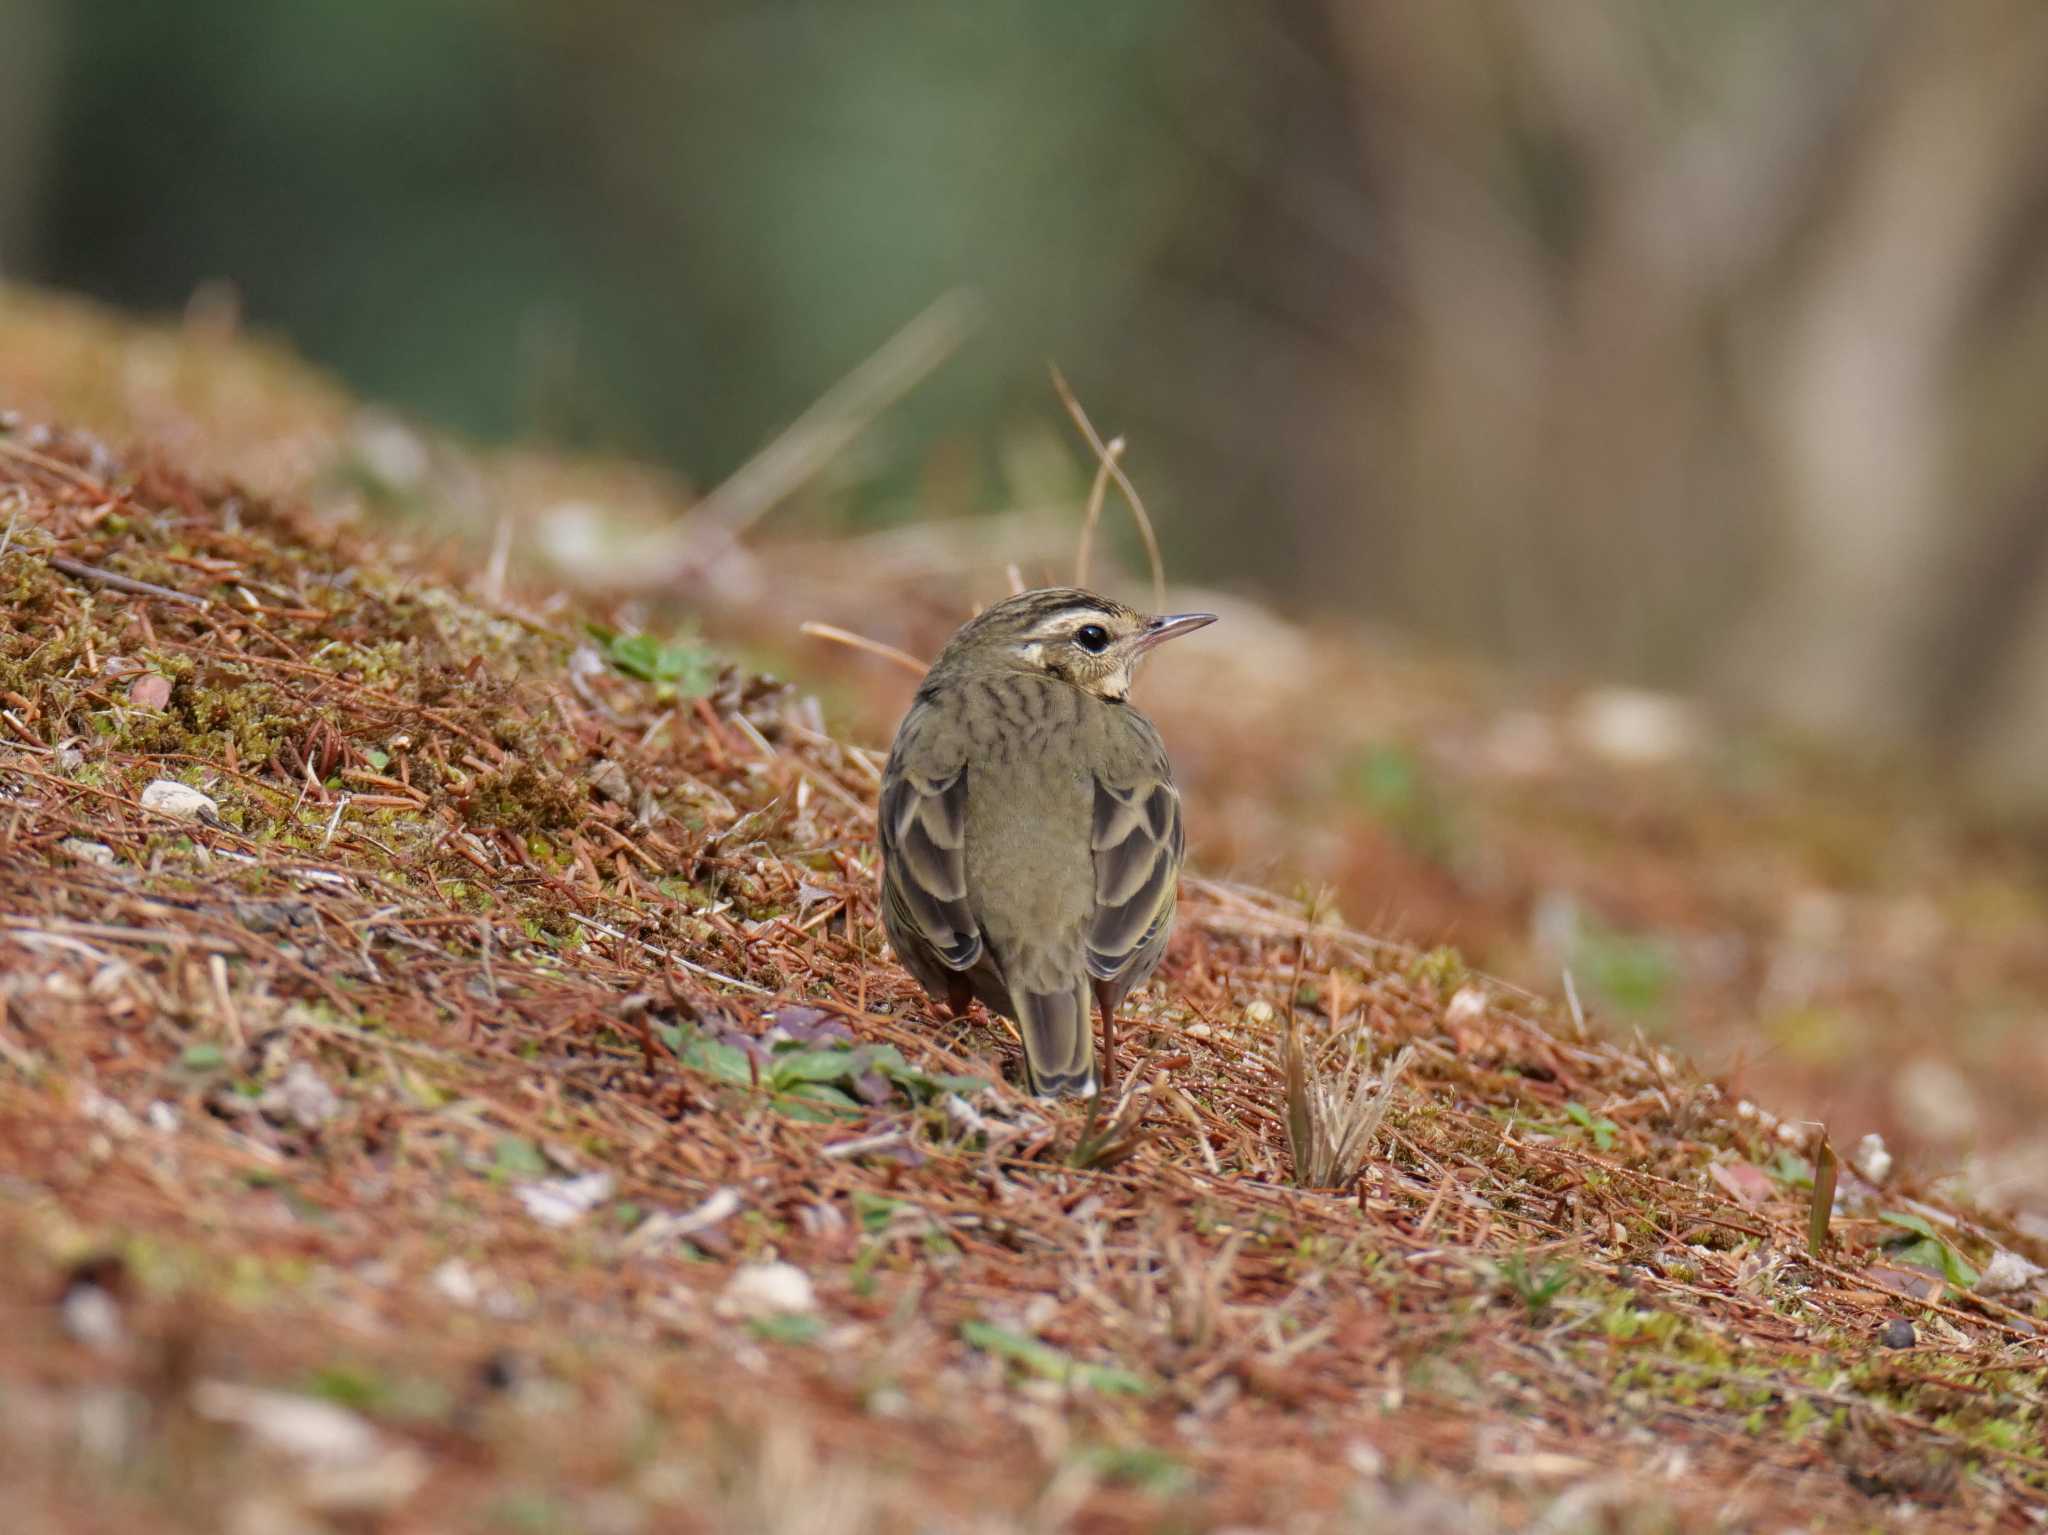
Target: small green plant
pixel 801 1328
pixel 1048 1363
pixel 1535 1287
pixel 679 668
pixel 815 1082
pixel 1599 1127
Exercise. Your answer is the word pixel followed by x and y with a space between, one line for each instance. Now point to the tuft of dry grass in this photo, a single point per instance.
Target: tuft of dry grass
pixel 1335 1103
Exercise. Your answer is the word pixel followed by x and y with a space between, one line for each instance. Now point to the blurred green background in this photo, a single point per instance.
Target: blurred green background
pixel 1700 345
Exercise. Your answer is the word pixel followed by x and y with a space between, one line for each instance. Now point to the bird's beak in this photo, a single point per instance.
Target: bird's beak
pixel 1171 627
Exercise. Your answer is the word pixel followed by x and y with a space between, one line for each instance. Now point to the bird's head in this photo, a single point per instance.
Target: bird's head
pixel 1076 636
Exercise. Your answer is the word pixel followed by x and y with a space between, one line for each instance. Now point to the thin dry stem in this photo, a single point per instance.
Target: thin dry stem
pixel 852 641
pixel 1107 460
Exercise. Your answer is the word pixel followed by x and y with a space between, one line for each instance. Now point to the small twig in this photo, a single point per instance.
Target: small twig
pixel 669 956
pixel 847 637
pixel 129 584
pixel 56 466
pixel 217 971
pixel 1108 460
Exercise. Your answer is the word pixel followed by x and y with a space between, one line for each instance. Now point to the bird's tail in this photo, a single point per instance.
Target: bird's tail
pixel 1059 1041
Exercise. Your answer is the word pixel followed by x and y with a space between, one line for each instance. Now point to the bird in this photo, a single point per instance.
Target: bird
pixel 1030 830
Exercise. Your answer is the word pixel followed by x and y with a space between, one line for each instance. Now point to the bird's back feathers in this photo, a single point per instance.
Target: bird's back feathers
pixel 1031 840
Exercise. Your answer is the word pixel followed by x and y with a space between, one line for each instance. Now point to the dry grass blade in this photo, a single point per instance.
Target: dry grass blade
pixel 1334 1104
pixel 1106 456
pixel 852 641
pixel 1823 1198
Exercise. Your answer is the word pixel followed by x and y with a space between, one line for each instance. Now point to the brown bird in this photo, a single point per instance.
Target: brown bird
pixel 1031 835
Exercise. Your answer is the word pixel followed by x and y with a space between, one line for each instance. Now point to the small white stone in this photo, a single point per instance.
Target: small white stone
pixel 1259 1011
pixel 1873 1163
pixel 305 1097
pixel 456 1283
pixel 92 1316
pixel 1365 1459
pixel 300 1426
pixel 1634 727
pixel 1467 1005
pixel 762 1290
pixel 2006 1272
pixel 565 1201
pixel 181 802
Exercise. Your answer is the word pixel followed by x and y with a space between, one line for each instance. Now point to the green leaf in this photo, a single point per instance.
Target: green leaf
pixel 1600 1128
pixel 1917 1224
pixel 786 1329
pixel 728 1063
pixel 1932 1250
pixel 812 1066
pixel 1048 1363
pixel 683 665
pixel 873 1210
pixel 825 1092
pixel 203 1058
pixel 1791 1167
pixel 516 1154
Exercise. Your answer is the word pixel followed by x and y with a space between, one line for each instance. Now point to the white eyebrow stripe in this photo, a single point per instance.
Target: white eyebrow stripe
pixel 1058 625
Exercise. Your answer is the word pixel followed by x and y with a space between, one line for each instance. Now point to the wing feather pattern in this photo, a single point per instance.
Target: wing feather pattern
pixel 1136 842
pixel 924 847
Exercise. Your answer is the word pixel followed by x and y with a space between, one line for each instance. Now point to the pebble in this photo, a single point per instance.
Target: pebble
pixel 1898 1333
pixel 181 801
pixel 762 1290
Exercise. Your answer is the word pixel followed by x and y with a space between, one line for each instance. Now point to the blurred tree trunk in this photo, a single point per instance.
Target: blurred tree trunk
pixel 1875 527
pixel 1706 366
pixel 28 48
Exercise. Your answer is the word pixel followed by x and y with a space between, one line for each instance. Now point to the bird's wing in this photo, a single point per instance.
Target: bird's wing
pixel 1137 844
pixel 923 823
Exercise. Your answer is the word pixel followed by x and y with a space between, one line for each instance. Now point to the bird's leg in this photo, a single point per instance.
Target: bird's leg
pixel 1104 1006
pixel 959 997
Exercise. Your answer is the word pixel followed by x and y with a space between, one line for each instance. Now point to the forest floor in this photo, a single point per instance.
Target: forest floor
pixel 450 1076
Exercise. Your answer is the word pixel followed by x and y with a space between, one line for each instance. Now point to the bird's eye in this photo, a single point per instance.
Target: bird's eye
pixel 1092 638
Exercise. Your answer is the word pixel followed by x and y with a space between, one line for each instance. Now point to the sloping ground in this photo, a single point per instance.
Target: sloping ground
pixel 491 1107
pixel 1847 940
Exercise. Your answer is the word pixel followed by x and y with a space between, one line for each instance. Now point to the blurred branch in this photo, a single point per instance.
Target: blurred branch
pixel 711 530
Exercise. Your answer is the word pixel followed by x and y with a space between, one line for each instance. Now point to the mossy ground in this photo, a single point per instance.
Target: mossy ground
pixel 307 1096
